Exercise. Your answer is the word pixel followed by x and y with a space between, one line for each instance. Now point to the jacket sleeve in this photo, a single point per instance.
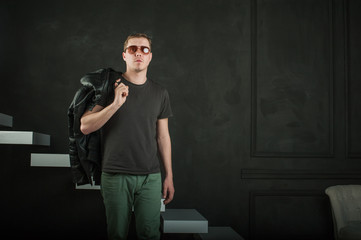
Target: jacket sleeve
pixel 75 111
pixel 84 151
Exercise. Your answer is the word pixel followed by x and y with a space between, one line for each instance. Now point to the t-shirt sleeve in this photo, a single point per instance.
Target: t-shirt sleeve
pixel 165 110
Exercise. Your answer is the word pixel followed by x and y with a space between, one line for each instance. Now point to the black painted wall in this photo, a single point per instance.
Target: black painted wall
pixel 264 92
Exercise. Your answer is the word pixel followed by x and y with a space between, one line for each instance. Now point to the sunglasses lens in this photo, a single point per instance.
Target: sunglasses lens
pixel 145 50
pixel 132 49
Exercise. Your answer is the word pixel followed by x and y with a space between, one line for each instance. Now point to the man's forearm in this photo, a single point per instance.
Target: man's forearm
pixel 165 150
pixel 164 145
pixel 92 121
pixel 95 120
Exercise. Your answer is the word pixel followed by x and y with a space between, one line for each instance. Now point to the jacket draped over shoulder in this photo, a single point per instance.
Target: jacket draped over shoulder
pixel 85 150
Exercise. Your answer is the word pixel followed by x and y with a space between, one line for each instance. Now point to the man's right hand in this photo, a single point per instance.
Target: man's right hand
pixel 93 120
pixel 121 92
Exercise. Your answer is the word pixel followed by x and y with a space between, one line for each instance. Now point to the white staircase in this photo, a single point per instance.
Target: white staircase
pixel 6 120
pixel 183 221
pixel 20 137
pixel 49 160
pixel 174 221
pixel 26 138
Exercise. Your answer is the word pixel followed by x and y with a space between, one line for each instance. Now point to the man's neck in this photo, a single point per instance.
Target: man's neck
pixel 137 78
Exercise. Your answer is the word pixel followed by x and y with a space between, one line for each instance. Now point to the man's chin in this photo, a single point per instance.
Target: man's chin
pixel 138 70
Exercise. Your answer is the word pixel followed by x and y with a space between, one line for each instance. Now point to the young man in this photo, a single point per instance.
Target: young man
pixel 134 126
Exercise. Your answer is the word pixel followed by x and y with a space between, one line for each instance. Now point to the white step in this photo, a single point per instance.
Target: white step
pixel 183 221
pixel 87 187
pixel 49 160
pixel 224 233
pixel 6 120
pixel 27 138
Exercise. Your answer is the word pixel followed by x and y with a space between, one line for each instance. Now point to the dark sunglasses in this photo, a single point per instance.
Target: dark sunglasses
pixel 134 49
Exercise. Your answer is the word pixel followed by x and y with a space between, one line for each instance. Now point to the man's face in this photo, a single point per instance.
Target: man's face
pixel 138 61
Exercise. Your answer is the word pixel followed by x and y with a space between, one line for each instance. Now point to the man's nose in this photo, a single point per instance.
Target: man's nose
pixel 138 52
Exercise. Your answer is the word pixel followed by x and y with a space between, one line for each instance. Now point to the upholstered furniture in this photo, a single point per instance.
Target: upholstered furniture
pixel 346 211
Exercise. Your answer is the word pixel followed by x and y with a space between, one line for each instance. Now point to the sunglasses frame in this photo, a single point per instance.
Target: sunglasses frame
pixel 141 48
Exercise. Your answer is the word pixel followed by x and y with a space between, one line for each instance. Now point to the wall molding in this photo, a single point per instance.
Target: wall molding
pixel 347 78
pixel 299 174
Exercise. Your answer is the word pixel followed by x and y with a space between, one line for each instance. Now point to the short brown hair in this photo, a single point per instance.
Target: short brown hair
pixel 138 35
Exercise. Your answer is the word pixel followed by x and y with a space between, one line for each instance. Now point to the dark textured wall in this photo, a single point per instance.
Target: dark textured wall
pixel 264 94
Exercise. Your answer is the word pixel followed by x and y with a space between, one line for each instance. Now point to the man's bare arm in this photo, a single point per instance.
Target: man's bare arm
pixel 165 150
pixel 92 121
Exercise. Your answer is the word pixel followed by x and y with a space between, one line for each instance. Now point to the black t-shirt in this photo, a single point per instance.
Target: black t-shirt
pixel 129 137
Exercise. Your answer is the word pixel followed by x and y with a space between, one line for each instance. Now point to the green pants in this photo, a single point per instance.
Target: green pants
pixel 123 191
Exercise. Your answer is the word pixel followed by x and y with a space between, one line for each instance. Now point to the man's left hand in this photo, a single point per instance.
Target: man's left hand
pixel 168 190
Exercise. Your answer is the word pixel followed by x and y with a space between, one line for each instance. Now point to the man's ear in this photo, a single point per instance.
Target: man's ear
pixel 123 55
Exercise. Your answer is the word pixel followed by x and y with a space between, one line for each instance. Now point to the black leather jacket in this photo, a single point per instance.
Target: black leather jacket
pixel 85 150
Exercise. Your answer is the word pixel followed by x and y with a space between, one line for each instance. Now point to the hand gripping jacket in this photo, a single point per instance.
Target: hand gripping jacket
pixel 85 150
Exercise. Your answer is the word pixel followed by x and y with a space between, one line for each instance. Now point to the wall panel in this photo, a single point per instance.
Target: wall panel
pixel 289 215
pixel 292 102
pixel 353 56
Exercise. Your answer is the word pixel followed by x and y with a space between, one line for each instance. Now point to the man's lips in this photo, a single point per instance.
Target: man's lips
pixel 138 60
